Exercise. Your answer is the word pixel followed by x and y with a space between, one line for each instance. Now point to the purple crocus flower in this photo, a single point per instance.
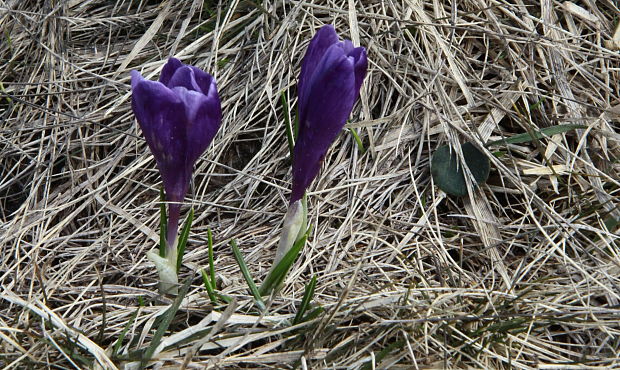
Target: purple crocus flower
pixel 179 116
pixel 331 75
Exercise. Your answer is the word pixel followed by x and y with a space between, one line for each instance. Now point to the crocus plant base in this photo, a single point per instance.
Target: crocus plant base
pixel 166 268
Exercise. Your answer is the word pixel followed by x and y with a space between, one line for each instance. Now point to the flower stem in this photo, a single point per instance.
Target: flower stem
pixel 174 214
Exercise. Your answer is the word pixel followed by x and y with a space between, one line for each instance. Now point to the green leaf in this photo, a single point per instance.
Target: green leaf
pixel 168 316
pixel 211 264
pixel 9 42
pixel 121 337
pixel 538 103
pixel 535 135
pixel 399 344
pixel 313 314
pixel 163 223
pixel 296 127
pixel 287 123
pixel 246 275
pixel 183 238
pixel 305 301
pixel 221 63
pixel 448 173
pixel 276 275
pixel 358 141
pixel 208 286
pixel 224 298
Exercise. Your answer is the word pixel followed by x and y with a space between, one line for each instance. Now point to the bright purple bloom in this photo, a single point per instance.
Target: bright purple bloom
pixel 329 83
pixel 179 116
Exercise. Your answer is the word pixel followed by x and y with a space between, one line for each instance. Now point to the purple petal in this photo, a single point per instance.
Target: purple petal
pixel 204 115
pixel 169 69
pixel 347 46
pixel 330 58
pixel 322 40
pixel 184 77
pixel 162 118
pixel 331 95
pixel 361 66
pixel 204 80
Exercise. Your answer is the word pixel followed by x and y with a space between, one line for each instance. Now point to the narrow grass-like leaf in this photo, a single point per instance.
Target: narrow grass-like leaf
pixel 276 275
pixel 183 238
pixel 281 276
pixel 208 286
pixel 210 249
pixel 305 301
pixel 163 223
pixel 168 316
pixel 313 314
pixel 121 336
pixel 6 96
pixel 384 352
pixel 224 298
pixel 535 135
pixel 358 141
pixel 222 62
pixel 514 326
pixel 72 349
pixel 296 127
pixel 287 123
pixel 538 103
pixel 208 7
pixel 246 275
pixel 9 41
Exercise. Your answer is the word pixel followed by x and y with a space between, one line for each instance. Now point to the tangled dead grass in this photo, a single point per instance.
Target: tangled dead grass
pixel 522 273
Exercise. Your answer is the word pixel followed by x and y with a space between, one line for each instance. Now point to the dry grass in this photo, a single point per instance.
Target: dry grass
pixel 523 273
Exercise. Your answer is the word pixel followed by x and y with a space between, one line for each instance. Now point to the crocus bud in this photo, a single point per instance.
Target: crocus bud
pixel 179 116
pixel 331 75
pixel 293 229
